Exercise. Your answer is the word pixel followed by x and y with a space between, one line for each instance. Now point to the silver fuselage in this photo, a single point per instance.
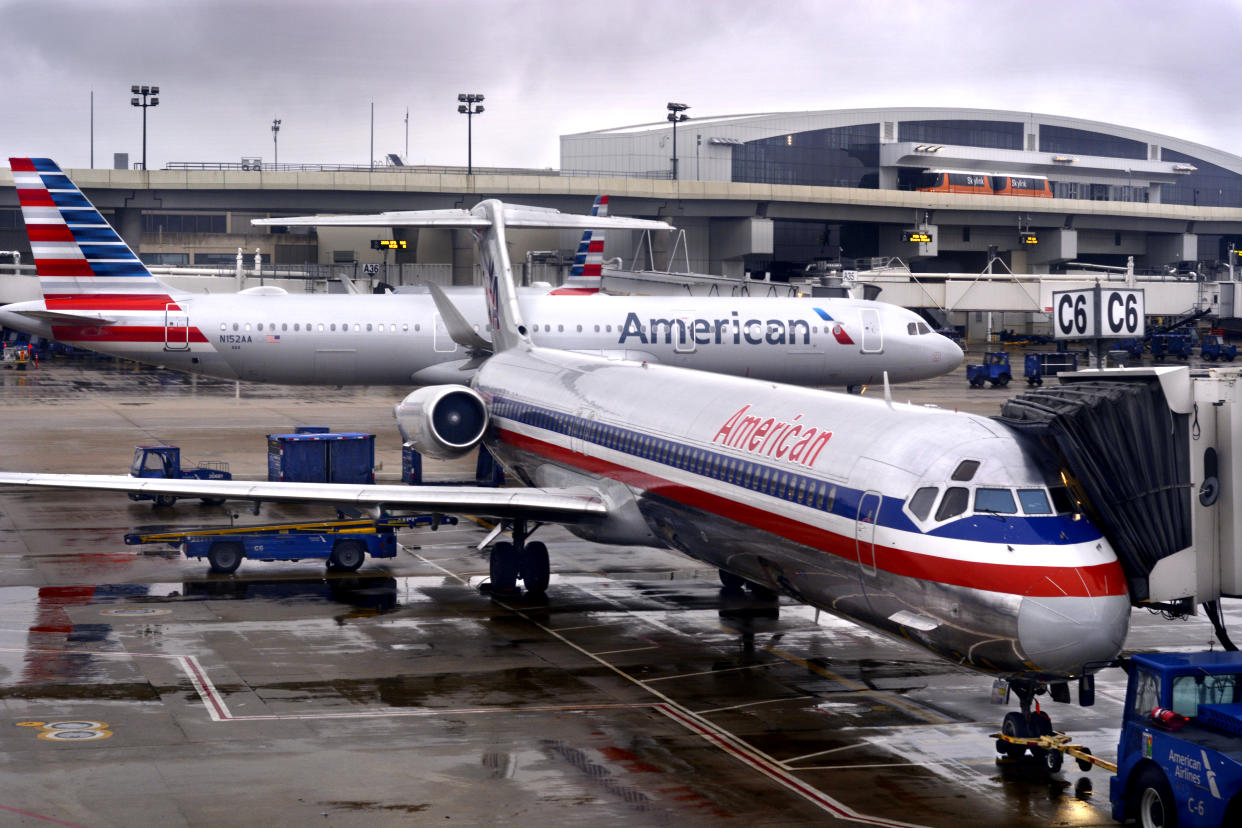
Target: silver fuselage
pixel 808 492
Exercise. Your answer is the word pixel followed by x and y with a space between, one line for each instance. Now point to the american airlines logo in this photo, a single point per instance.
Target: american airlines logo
pixel 727 330
pixel 798 442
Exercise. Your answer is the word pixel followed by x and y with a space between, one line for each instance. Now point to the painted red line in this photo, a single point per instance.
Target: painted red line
pixel 1044 581
pixel 110 301
pixel 575 291
pixel 40 817
pixel 126 333
pixel 206 688
pixel 34 197
pixel 49 233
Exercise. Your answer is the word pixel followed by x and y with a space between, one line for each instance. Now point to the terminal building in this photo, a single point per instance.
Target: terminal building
pixel 936 190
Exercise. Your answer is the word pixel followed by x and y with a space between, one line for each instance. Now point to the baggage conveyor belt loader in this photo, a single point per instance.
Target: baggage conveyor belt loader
pixel 344 544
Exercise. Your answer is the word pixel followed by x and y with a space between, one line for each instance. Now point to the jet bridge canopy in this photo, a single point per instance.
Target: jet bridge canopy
pixel 1129 452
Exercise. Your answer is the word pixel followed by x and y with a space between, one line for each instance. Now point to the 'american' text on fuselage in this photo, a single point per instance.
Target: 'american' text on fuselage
pixel 718 331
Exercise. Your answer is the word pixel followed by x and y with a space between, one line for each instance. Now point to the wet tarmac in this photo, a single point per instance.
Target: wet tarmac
pixel 138 689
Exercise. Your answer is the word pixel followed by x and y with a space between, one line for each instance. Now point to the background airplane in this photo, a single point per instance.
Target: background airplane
pixel 945 530
pixel 97 294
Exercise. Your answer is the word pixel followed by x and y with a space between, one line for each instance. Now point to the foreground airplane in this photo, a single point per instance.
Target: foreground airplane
pixel 945 530
pixel 98 295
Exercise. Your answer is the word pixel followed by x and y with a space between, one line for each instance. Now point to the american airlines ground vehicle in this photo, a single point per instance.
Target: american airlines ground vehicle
pixel 98 295
pixel 946 530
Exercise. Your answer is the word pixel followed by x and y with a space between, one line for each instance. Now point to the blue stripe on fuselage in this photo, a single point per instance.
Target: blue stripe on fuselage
pixel 793 487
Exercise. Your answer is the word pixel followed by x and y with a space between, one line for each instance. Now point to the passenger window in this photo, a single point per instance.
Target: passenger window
pixel 405 327
pixel 333 326
pixel 921 503
pixel 560 329
pixel 832 499
pixel 284 326
pixel 224 326
pixel 965 470
pixel 597 328
pixel 321 327
pixel 997 501
pixel 368 327
pixel 260 326
pixel 954 503
pixel 247 326
pixel 1034 502
pixel 235 326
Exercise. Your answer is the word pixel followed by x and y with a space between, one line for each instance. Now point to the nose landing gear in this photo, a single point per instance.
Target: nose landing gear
pixel 1031 730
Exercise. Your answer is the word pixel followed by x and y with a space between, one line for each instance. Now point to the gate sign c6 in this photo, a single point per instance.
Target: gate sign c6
pixel 1098 313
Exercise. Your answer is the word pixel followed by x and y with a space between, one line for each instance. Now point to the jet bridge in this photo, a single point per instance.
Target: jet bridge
pixel 1155 454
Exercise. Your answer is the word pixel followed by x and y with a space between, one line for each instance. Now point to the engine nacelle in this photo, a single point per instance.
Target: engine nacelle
pixel 442 421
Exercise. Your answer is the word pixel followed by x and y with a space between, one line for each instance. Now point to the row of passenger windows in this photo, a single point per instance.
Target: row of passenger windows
pixel 785 485
pixel 989 501
pixel 345 327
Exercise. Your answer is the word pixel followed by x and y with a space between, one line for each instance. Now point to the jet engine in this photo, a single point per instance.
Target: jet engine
pixel 442 421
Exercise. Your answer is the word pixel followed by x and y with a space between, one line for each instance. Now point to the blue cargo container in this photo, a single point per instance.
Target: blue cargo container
pixel 347 457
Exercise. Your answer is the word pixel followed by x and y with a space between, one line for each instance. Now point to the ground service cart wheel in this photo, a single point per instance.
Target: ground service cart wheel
pixel 225 557
pixel 347 555
pixel 1154 800
pixel 536 571
pixel 504 567
pixel 165 499
pixel 1083 764
pixel 1002 381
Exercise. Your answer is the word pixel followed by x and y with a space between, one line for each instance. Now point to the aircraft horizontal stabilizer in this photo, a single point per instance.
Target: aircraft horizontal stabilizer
pixel 459 328
pixel 564 505
pixel 65 317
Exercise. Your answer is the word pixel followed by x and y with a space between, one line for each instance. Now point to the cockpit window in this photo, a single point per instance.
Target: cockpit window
pixel 924 329
pixel 954 503
pixel 921 503
pixel 997 501
pixel 1034 502
pixel 1062 503
pixel 965 470
pixel 912 329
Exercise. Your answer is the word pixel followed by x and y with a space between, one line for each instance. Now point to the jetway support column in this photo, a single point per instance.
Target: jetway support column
pixel 128 224
pixel 732 240
pixel 1171 248
pixel 1057 245
pixel 463 257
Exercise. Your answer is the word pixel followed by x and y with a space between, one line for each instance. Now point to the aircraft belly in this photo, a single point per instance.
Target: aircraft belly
pixel 973 627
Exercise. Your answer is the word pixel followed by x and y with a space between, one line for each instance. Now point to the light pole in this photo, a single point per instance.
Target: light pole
pixel 144 91
pixel 275 146
pixel 676 112
pixel 469 109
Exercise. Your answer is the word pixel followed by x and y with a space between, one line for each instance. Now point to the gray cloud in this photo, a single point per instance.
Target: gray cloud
pixel 553 67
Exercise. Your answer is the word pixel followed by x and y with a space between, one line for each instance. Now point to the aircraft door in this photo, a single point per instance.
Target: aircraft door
pixel 683 336
pixel 872 333
pixel 441 341
pixel 864 531
pixel 176 329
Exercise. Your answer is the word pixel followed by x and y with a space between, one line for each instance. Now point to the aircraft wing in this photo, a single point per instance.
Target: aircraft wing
pixel 515 216
pixel 564 505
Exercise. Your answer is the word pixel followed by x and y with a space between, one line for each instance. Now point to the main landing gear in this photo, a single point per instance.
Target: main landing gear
pixel 524 559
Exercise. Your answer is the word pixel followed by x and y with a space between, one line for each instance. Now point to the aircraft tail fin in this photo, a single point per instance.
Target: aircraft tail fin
pixel 587 272
pixel 82 262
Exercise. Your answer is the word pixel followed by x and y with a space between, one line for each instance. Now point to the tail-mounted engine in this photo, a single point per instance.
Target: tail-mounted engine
pixel 442 421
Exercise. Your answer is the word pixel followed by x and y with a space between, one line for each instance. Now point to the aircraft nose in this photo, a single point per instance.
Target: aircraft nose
pixel 1059 635
pixel 951 353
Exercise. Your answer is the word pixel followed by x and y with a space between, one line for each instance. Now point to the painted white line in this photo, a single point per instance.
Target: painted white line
pixel 793 759
pixel 712 672
pixel 748 704
pixel 627 650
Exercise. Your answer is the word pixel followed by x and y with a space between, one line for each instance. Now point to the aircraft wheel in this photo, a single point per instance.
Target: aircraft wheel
pixel 165 500
pixel 762 593
pixel 536 570
pixel 503 567
pixel 225 556
pixel 731 582
pixel 1153 799
pixel 1013 725
pixel 347 555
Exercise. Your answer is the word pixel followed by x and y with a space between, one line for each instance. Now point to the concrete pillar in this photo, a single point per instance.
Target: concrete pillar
pixel 128 223
pixel 1171 248
pixel 463 257
pixel 1059 245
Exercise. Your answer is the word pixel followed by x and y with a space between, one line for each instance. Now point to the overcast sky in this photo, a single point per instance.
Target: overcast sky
pixel 550 67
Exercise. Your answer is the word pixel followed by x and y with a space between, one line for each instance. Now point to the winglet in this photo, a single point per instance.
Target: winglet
pixel 459 328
